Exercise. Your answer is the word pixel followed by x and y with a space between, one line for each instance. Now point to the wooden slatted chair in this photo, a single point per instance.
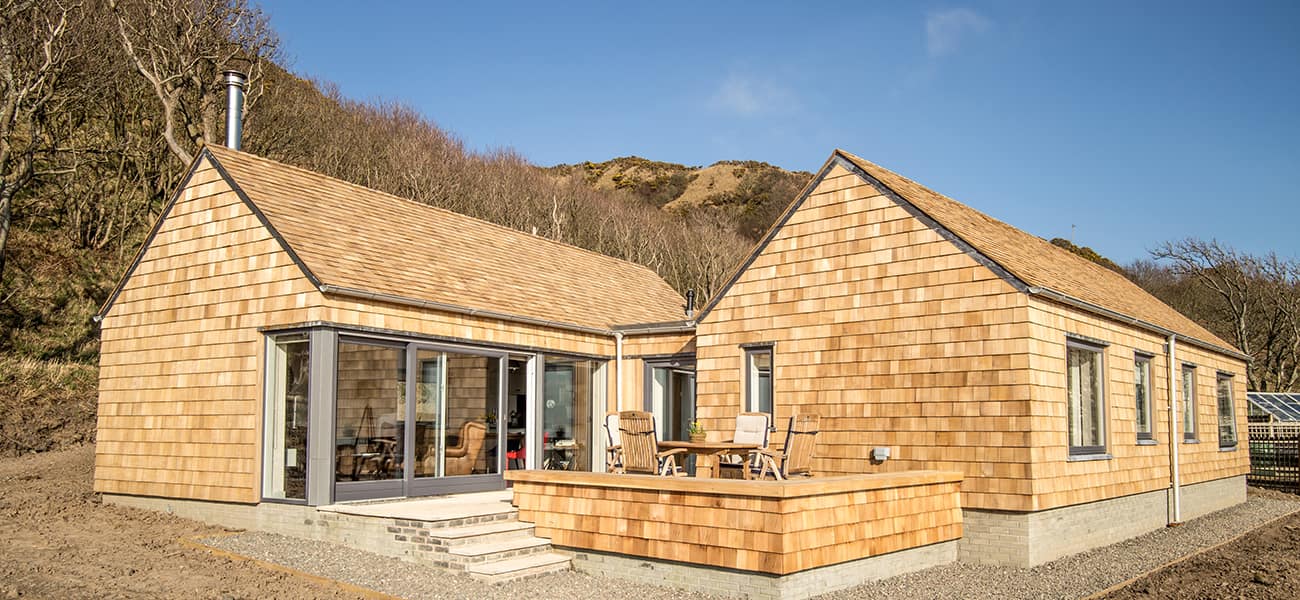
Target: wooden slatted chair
pixel 640 445
pixel 795 459
pixel 614 450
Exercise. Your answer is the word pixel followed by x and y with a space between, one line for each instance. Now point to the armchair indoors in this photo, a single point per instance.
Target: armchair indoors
pixel 460 458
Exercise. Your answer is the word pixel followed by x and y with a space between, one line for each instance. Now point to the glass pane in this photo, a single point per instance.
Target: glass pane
pixel 1227 420
pixel 1085 417
pixel 760 381
pixel 1142 395
pixel 682 410
pixel 287 420
pixel 371 412
pixel 473 400
pixel 673 401
pixel 1189 403
pixel 428 411
pixel 566 414
pixel 659 390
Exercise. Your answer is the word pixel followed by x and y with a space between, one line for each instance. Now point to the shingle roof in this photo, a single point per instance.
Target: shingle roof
pixel 357 238
pixel 1035 261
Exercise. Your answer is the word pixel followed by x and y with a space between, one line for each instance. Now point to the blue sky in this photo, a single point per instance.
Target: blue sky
pixel 1133 122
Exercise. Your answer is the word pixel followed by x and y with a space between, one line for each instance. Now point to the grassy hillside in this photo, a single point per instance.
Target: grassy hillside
pixel 749 193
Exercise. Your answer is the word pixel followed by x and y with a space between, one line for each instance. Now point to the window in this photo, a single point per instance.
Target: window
pixel 758 373
pixel 1142 396
pixel 1227 416
pixel 1086 418
pixel 288 371
pixel 1189 403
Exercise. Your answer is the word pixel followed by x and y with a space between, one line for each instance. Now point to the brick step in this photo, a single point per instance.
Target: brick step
pixel 486 532
pixel 487 552
pixel 506 514
pixel 519 568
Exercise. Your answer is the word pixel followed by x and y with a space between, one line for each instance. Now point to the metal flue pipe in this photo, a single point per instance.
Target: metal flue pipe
pixel 235 83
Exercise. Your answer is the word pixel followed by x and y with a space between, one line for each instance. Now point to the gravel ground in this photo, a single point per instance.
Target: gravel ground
pixel 410 580
pixel 1072 577
pixel 1082 574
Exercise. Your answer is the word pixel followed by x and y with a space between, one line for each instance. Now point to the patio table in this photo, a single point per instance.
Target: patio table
pixel 709 452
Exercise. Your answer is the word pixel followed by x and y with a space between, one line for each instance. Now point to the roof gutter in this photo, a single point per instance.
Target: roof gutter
pixel 1123 318
pixel 460 310
pixel 651 328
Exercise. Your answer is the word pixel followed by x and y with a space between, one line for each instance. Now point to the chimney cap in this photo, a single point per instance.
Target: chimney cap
pixel 235 77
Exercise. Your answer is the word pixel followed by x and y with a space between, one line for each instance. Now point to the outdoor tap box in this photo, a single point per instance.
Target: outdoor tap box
pixel 880 453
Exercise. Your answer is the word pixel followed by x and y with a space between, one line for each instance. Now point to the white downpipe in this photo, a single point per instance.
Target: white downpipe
pixel 1173 430
pixel 618 370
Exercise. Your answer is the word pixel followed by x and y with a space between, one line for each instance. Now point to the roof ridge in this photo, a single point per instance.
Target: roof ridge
pixel 1061 251
pixel 512 230
pixel 1187 327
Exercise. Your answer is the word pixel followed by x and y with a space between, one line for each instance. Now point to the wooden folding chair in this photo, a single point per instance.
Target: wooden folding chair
pixel 795 459
pixel 640 444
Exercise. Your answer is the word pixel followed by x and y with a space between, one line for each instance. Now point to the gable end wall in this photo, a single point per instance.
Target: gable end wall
pixel 180 359
pixel 890 332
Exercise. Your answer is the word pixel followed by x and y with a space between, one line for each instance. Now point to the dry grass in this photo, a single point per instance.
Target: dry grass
pixel 45 405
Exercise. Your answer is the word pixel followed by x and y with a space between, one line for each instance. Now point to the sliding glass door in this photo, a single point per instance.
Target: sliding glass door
pixel 416 419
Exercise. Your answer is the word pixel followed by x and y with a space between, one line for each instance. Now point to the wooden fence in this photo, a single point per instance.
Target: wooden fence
pixel 1275 457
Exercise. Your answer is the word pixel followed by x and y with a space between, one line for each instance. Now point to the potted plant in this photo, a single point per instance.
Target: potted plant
pixel 697 432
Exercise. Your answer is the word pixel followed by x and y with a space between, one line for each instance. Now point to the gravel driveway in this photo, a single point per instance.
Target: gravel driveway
pixel 1072 577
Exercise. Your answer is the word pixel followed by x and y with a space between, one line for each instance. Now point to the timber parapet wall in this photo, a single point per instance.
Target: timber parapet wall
pixel 767 527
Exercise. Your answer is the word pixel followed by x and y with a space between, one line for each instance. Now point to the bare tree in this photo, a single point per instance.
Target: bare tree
pixel 1252 301
pixel 181 48
pixel 33 57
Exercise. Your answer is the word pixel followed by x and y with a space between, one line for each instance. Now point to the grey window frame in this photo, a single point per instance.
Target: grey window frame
pixel 1088 345
pixel 1232 408
pixel 1149 409
pixel 269 387
pixel 751 402
pixel 1188 398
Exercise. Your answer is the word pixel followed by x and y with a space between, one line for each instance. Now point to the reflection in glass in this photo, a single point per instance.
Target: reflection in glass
pixel 672 397
pixel 473 385
pixel 287 419
pixel 567 414
pixel 1086 422
pixel 371 410
pixel 759 386
pixel 1189 402
pixel 1227 414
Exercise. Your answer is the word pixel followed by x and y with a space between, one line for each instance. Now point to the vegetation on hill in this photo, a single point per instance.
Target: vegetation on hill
pixel 748 194
pixel 1087 253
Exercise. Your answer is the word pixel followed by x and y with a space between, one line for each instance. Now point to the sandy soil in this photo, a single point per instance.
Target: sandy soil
pixel 1261 564
pixel 58 541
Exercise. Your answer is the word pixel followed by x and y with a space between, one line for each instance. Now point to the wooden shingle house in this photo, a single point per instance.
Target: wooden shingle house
pixel 284 338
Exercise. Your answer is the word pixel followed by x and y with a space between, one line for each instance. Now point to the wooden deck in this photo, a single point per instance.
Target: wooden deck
pixel 762 526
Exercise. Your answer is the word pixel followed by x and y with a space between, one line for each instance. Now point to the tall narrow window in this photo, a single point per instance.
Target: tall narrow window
pixel 1086 419
pixel 285 475
pixel 758 373
pixel 1142 396
pixel 1189 403
pixel 1227 416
